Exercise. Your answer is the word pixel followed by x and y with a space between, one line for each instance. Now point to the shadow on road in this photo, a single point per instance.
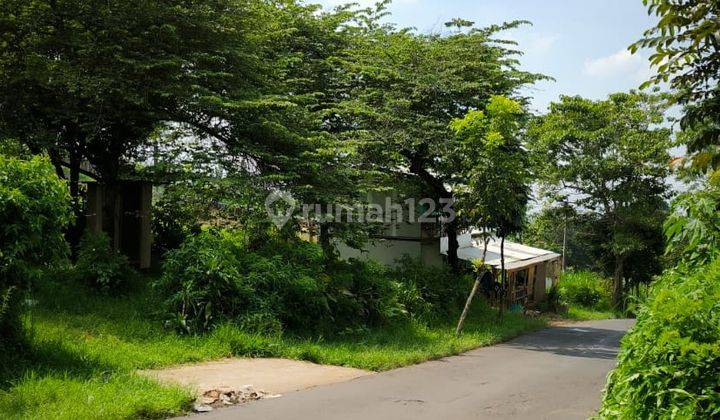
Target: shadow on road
pixel 596 343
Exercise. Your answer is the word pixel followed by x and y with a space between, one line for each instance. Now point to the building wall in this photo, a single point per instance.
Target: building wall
pixel 388 251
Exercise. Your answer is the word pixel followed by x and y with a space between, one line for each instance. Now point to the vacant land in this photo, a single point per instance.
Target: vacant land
pixel 86 350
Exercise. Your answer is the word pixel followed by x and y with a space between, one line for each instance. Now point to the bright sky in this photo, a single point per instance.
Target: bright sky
pixel 581 43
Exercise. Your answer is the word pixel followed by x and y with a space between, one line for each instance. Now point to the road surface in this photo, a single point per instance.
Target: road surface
pixel 556 373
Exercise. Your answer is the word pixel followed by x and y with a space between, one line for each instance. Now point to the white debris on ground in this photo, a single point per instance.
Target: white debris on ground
pixel 216 398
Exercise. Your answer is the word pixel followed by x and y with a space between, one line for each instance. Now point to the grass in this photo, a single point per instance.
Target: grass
pixel 580 313
pixel 85 351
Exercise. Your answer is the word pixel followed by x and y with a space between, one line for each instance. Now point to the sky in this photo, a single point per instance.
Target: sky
pixel 580 43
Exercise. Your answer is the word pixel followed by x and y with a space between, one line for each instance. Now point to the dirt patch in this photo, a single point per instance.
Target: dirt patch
pixel 271 376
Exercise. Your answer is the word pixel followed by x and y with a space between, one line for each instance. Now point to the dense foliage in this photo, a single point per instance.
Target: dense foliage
pixel 400 103
pixel 216 277
pixel 34 209
pixel 584 288
pixel 686 54
pixel 693 227
pixel 554 227
pixel 101 267
pixel 670 362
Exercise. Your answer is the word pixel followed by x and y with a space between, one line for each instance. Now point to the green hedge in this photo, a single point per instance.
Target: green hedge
pixel 669 365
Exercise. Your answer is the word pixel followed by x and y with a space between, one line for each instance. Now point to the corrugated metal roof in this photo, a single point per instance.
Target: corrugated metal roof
pixel 516 255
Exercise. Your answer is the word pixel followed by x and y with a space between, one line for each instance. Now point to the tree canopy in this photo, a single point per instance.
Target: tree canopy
pixel 400 100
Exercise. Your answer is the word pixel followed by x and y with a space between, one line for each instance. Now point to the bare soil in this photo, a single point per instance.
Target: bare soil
pixel 273 376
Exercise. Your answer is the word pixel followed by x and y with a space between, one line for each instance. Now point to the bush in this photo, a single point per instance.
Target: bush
pixel 201 284
pixel 34 210
pixel 361 293
pixel 215 277
pixel 430 291
pixel 669 363
pixel 584 288
pixel 101 267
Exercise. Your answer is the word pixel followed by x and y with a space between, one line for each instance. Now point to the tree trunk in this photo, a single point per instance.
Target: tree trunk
pixel 325 240
pixel 74 231
pixel 466 309
pixel 453 246
pixel 417 162
pixel 617 292
pixel 56 162
pixel 503 276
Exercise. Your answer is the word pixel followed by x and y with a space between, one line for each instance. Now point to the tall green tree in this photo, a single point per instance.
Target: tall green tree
pixel 610 158
pixel 497 170
pixel 406 88
pixel 495 164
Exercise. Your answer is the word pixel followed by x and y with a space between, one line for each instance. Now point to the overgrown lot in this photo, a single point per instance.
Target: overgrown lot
pixel 84 349
pixel 583 295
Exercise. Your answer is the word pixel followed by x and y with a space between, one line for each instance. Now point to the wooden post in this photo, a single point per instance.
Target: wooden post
pixel 564 244
pixel 465 311
pixel 145 229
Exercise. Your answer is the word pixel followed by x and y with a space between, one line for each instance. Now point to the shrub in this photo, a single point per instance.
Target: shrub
pixel 173 220
pixel 430 291
pixel 201 284
pixel 584 288
pixel 34 210
pixel 216 277
pixel 669 363
pixel 362 294
pixel 100 266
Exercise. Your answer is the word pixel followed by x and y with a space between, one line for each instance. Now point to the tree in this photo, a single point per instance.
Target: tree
pixel 554 225
pixel 686 53
pixel 296 144
pixel 497 170
pixel 91 80
pixel 607 158
pixel 405 89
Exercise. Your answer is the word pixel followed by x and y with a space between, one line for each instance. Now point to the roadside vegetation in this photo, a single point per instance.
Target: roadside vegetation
pixel 584 295
pixel 84 349
pixel 669 363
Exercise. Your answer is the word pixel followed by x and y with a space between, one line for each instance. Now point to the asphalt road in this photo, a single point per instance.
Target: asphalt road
pixel 556 373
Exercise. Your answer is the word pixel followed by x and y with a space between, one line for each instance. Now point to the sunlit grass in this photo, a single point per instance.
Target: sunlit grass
pixel 579 313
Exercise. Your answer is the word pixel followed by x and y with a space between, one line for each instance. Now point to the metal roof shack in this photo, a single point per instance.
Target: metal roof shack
pixel 517 256
pixel 531 271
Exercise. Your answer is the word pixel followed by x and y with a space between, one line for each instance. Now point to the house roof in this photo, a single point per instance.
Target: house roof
pixel 517 256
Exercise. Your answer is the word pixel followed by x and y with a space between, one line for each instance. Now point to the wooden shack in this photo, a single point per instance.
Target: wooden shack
pixel 126 218
pixel 530 271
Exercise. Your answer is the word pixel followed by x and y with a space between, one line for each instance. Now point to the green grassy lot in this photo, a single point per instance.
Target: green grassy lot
pixel 85 350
